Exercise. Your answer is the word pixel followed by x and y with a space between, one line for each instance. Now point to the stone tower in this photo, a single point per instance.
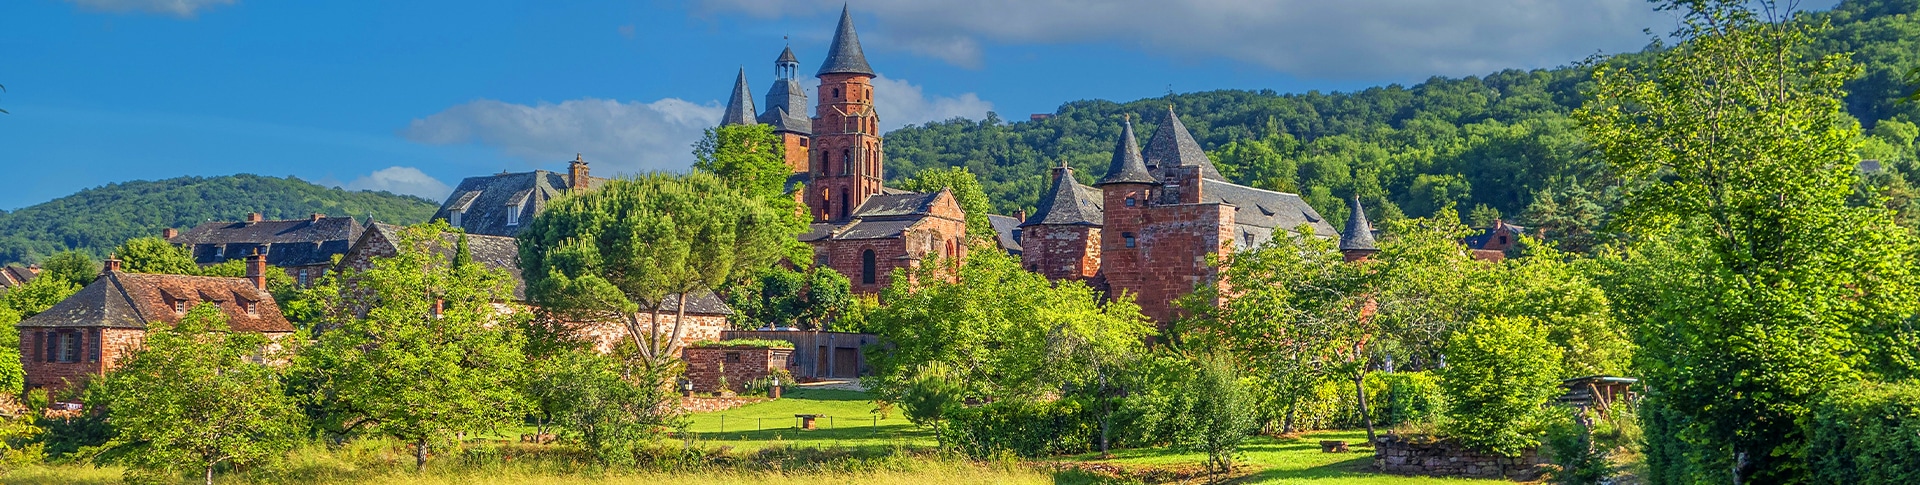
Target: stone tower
pixel 846 154
pixel 1062 239
pixel 1125 191
pixel 787 111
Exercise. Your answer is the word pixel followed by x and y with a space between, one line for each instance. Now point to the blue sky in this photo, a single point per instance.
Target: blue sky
pixel 412 96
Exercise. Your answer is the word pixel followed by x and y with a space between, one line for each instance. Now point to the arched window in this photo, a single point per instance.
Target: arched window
pixel 845 203
pixel 866 267
pixel 846 158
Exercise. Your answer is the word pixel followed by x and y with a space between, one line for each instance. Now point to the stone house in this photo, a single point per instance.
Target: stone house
pixel 1492 243
pixel 11 276
pixel 503 204
pixel 304 248
pixel 92 331
pixel 707 364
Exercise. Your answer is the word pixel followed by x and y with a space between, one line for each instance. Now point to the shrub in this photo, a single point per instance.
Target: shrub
pixel 1865 434
pixel 1223 413
pixel 744 342
pixel 1392 399
pixel 1021 427
pixel 1500 374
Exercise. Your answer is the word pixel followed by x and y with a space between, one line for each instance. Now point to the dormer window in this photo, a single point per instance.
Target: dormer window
pixel 219 251
pixel 513 215
pixel 253 307
pixel 179 306
pixel 1249 238
pixel 453 217
pixel 1016 235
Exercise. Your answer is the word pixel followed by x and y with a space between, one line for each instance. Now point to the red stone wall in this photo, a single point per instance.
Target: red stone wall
pixel 1061 252
pixel 740 365
pixel 794 146
pixel 940 235
pixel 699 328
pixel 846 153
pixel 116 345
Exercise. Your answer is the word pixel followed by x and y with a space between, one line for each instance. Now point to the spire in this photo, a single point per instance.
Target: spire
pixel 786 99
pixel 1359 233
pixel 1067 202
pixel 1173 146
pixel 1127 167
pixel 787 66
pixel 740 106
pixel 845 56
pixel 786 56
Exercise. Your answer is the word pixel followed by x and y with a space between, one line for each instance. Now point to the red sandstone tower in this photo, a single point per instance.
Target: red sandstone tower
pixel 846 155
pixel 1125 193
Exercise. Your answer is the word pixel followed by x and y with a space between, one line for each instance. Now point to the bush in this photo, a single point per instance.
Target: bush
pixel 744 342
pixel 1866 434
pixel 1021 427
pixel 1500 374
pixel 1223 413
pixel 1392 399
pixel 1584 443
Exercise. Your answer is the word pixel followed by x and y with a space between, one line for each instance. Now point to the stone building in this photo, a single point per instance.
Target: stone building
pixel 739 365
pixel 304 248
pixel 11 276
pixel 1492 243
pixel 502 204
pixel 92 331
pixel 861 228
pixel 1148 226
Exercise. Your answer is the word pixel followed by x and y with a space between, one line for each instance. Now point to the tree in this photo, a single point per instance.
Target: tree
pixel 1745 308
pixel 966 190
pixel 72 267
pixel 610 414
pixel 155 255
pixel 751 158
pixel 1501 373
pixel 416 347
pixel 199 394
pixel 782 297
pixel 635 244
pixel 1223 412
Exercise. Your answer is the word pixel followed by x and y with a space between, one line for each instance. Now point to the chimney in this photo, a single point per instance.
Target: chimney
pixel 1021 215
pixel 253 217
pixel 169 233
pixel 113 264
pixel 577 173
pixel 33 268
pixel 316 217
pixel 256 269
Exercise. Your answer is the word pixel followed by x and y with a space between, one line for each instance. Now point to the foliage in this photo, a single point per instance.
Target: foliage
pixel 782 297
pixel 1745 309
pixel 966 191
pixel 611 415
pixel 629 246
pixel 1397 398
pixel 751 158
pixel 1500 374
pixel 18 448
pixel 73 267
pixel 1864 434
pixel 1024 428
pixel 416 347
pixel 745 342
pixel 96 220
pixel 154 255
pixel 198 394
pixel 1583 448
pixel 1222 413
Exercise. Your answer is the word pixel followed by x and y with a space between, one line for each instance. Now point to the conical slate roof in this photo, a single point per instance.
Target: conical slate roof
pixel 1127 167
pixel 786 56
pixel 1359 233
pixel 740 106
pixel 1067 203
pixel 845 56
pixel 1173 146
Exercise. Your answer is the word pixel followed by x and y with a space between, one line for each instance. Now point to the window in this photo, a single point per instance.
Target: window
pixel 219 251
pixel 253 307
pixel 1128 236
pixel 822 259
pixel 1249 238
pixel 803 143
pixel 845 203
pixel 513 215
pixel 93 345
pixel 453 217
pixel 846 158
pixel 303 277
pixel 1503 239
pixel 866 267
pixel 1016 235
pixel 65 346
pixel 733 357
pixel 179 306
pixel 836 93
pixel 1129 201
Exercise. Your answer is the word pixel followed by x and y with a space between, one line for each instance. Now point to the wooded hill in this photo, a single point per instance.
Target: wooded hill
pixel 98 219
pixel 1490 142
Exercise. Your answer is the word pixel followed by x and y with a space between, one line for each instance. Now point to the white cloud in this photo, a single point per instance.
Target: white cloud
pixel 618 137
pixel 1312 38
pixel 182 8
pixel 901 103
pixel 402 180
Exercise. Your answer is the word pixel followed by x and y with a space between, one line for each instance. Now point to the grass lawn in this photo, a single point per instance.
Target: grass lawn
pixel 1288 461
pixel 846 420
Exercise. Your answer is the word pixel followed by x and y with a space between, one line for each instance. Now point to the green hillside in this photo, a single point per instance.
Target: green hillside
pixel 98 219
pixel 1492 141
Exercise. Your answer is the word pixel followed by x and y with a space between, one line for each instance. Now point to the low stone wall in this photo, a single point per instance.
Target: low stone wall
pixel 1449 459
pixel 710 404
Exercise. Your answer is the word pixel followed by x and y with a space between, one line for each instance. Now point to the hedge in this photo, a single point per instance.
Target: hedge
pixel 1866 434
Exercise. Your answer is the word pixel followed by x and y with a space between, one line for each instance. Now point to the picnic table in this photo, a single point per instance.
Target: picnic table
pixel 806 420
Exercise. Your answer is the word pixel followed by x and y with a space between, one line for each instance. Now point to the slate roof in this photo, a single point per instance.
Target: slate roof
pixel 1359 233
pixel 1127 166
pixel 787 108
pixel 1003 227
pixel 287 243
pixel 740 105
pixel 845 57
pixel 899 204
pixel 1259 212
pixel 133 300
pixel 1479 241
pixel 1067 203
pixel 1173 146
pixel 874 229
pixel 485 200
pixel 786 56
pixel 11 276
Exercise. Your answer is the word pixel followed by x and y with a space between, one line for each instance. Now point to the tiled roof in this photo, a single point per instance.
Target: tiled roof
pixel 485 201
pixel 134 300
pixel 845 57
pixel 11 276
pixel 1173 146
pixel 885 205
pixel 1067 202
pixel 1127 166
pixel 1359 233
pixel 1479 241
pixel 1262 211
pixel 740 105
pixel 1003 227
pixel 288 243
pixel 496 252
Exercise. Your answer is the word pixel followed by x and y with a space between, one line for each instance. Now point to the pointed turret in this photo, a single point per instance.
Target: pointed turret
pixel 740 106
pixel 1067 203
pixel 845 56
pixel 786 57
pixel 1173 146
pixel 1357 241
pixel 1127 166
pixel 786 100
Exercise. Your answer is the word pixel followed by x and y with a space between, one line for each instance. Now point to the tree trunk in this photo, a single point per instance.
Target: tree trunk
pixel 1360 391
pixel 679 320
pixel 1286 424
pixel 1106 414
pixel 420 455
pixel 210 473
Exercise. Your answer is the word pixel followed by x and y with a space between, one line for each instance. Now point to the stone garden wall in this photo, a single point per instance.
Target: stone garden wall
pixel 1448 459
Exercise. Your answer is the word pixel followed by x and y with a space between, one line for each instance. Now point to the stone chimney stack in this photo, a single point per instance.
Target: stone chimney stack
pixel 577 173
pixel 169 233
pixel 316 217
pixel 1021 215
pixel 257 269
pixel 113 264
pixel 254 217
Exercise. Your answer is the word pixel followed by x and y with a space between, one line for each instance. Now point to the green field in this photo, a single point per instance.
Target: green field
pixel 847 420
